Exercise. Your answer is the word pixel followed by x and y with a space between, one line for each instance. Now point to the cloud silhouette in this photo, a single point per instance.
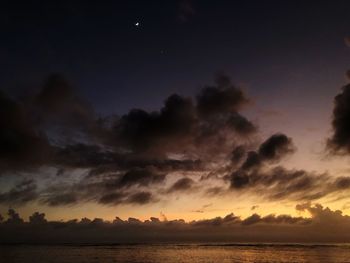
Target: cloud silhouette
pixel 22 146
pixel 323 225
pixel 339 142
pixel 129 159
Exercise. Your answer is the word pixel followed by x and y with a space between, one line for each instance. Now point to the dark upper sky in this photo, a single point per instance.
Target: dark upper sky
pixel 271 46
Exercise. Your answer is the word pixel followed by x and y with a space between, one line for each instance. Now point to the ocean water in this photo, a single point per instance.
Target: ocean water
pixel 191 253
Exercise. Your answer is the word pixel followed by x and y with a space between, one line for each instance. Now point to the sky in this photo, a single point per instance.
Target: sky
pixel 189 112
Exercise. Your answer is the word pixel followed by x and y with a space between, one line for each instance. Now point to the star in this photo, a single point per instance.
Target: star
pixel 137 24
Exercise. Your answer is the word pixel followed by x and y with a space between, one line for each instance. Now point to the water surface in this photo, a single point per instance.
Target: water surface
pixel 191 253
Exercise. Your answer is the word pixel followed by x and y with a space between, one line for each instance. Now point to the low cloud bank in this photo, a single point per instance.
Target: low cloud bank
pixel 324 225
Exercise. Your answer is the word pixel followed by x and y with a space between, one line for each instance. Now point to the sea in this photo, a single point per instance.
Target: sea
pixel 184 253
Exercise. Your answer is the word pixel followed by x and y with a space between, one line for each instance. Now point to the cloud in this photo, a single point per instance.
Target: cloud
pixel 257 175
pixel 240 124
pixel 325 216
pixel 218 221
pixel 272 219
pixel 253 161
pixel 131 187
pixel 142 130
pixel 282 183
pixel 192 128
pixel 13 217
pixel 183 184
pixel 279 183
pixel 20 194
pixel 37 218
pixel 272 149
pixel 140 198
pixel 129 159
pixel 238 154
pixel 253 174
pixel 60 198
pixel 323 225
pixel 224 98
pixel 32 126
pixel 254 207
pixel 57 102
pixel 111 198
pixel 142 177
pixel 22 146
pixel 57 127
pixel 276 147
pixel 339 142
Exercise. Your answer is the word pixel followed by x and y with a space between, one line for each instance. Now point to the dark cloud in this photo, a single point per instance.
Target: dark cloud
pixel 57 101
pixel 272 219
pixel 279 183
pixel 253 160
pixel 102 161
pixel 339 142
pixel 183 184
pixel 224 98
pixel 142 130
pixel 324 225
pixel 20 194
pixel 214 191
pixel 37 218
pixel 110 190
pixel 82 155
pixel 21 144
pixel 30 124
pixel 218 221
pixel 253 219
pixel 240 124
pixel 57 127
pixel 239 179
pixel 13 217
pixel 140 198
pixel 278 179
pixel 127 159
pixel 342 183
pixel 60 198
pixel 112 198
pixel 186 127
pixel 238 154
pixel 276 147
pixel 142 177
pixel 272 150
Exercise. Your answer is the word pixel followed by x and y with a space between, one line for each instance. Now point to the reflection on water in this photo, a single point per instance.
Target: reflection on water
pixel 174 253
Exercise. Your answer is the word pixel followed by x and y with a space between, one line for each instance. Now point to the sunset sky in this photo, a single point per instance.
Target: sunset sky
pixel 175 109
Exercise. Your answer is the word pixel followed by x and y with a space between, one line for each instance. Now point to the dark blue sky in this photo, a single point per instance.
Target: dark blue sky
pixel 275 48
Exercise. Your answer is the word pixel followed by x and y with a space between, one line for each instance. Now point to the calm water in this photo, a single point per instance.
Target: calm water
pixel 174 253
